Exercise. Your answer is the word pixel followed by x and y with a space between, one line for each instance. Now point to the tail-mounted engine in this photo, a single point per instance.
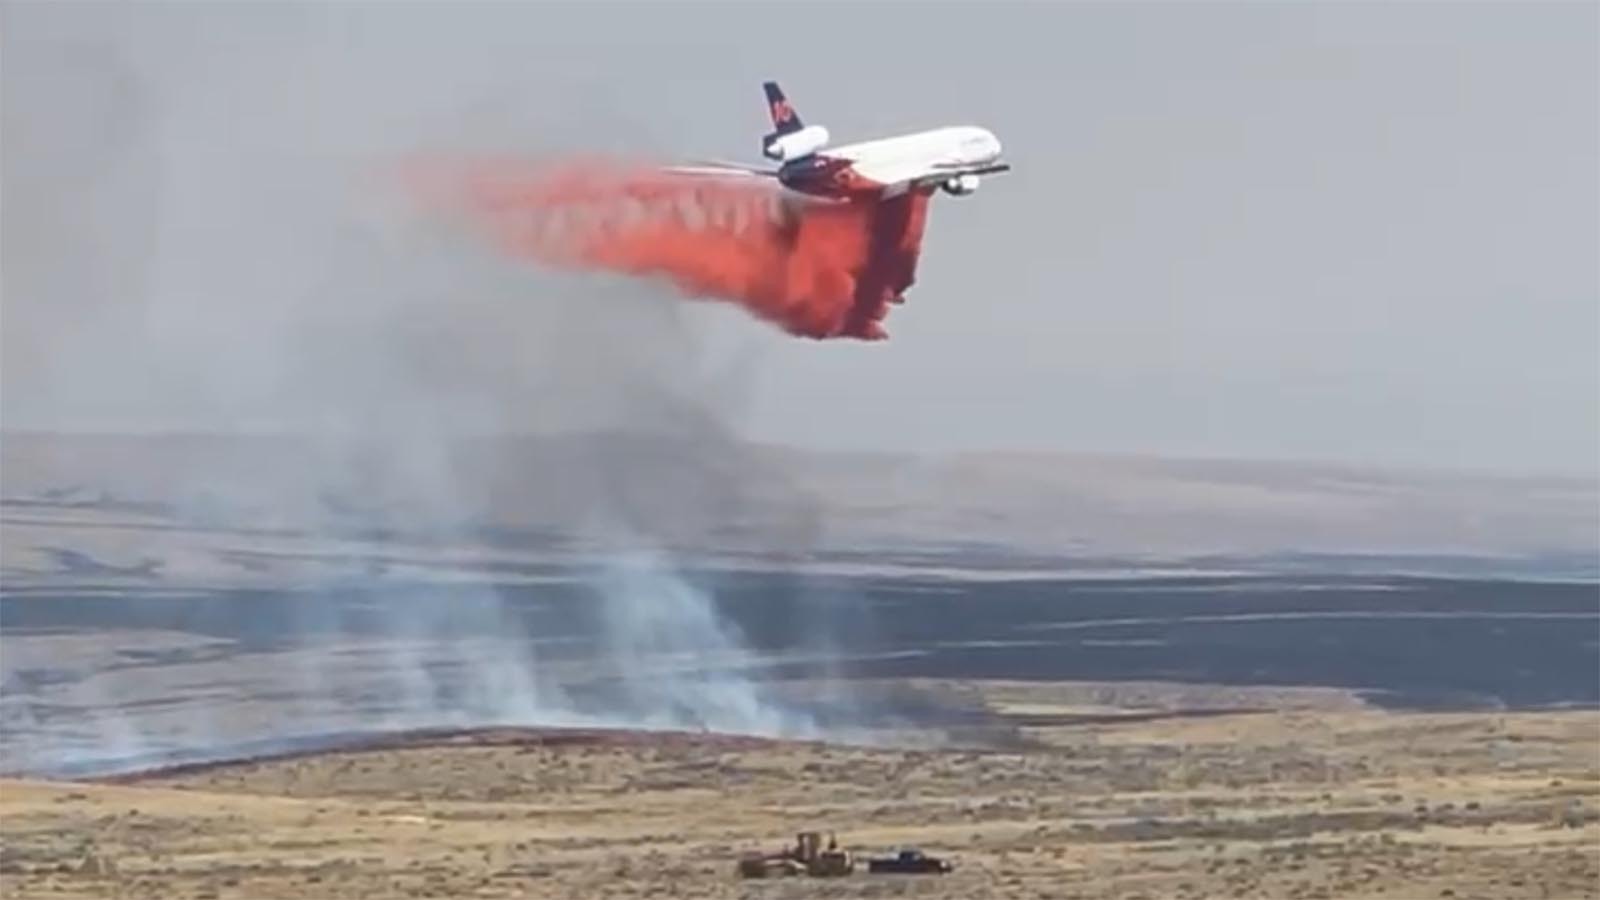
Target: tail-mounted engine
pixel 795 144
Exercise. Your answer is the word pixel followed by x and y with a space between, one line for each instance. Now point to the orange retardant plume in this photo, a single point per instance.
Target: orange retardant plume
pixel 818 269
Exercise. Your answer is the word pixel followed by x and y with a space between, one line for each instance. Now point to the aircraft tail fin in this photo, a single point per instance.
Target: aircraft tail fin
pixel 784 119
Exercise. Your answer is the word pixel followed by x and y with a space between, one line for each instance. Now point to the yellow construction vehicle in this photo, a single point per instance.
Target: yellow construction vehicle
pixel 806 857
pixel 764 865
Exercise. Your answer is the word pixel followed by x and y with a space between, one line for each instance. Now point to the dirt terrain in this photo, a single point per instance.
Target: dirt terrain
pixel 1090 800
pixel 180 592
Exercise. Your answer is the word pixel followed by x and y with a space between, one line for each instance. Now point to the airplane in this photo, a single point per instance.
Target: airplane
pixel 953 159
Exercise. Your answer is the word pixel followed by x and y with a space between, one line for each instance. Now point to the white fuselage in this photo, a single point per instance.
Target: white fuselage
pixel 893 164
pixel 889 160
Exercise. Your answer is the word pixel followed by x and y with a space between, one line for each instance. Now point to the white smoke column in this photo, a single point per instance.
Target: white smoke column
pixel 680 664
pixel 193 247
pixel 449 656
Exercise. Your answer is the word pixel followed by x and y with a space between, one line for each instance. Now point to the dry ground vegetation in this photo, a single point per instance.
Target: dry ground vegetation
pixel 1339 801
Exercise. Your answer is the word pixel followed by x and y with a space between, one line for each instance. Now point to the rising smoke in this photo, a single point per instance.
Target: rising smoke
pixel 192 246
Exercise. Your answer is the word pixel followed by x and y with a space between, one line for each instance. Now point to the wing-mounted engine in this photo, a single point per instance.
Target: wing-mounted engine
pixel 961 185
pixel 795 144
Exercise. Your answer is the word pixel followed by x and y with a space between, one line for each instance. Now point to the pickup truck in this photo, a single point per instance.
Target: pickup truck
pixel 909 862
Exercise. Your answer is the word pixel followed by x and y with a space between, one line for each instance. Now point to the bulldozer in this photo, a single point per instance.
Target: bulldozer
pixel 806 857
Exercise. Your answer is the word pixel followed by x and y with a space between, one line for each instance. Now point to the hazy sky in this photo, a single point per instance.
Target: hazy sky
pixel 1362 232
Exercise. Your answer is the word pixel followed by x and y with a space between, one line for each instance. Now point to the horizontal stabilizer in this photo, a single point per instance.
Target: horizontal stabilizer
pixel 717 167
pixel 737 166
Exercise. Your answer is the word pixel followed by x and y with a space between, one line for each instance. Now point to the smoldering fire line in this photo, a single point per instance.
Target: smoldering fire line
pixel 817 269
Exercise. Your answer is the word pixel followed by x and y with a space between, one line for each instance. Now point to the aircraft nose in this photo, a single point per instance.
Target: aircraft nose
pixel 993 145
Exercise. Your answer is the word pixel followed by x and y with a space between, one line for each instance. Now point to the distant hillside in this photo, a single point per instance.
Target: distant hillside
pixel 113 506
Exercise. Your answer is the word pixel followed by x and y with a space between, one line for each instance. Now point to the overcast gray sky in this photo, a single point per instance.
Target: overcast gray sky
pixel 1360 232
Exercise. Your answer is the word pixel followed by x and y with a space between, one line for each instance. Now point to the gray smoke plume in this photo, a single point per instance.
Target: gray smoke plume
pixel 200 240
pixel 698 661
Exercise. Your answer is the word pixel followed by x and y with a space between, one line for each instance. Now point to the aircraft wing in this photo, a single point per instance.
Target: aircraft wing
pixel 947 170
pixel 943 172
pixel 897 178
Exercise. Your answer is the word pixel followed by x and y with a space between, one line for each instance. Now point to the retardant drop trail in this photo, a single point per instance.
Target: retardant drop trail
pixel 819 269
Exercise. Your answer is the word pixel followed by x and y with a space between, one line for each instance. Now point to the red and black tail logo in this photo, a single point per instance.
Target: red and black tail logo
pixel 784 118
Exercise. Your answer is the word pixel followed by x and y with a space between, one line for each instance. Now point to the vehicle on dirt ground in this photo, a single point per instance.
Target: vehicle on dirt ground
pixel 806 857
pixel 909 862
